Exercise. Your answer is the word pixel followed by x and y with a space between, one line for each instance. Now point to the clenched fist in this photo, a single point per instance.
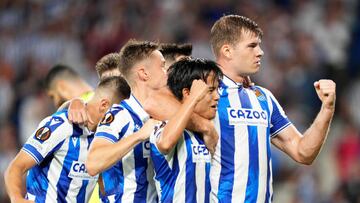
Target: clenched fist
pixel 326 91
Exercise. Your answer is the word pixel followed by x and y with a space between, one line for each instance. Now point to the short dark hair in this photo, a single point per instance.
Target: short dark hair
pixel 117 85
pixel 228 29
pixel 134 51
pixel 59 71
pixel 170 50
pixel 106 63
pixel 182 73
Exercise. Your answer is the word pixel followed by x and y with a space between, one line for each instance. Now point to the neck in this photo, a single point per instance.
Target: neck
pixel 229 72
pixel 141 92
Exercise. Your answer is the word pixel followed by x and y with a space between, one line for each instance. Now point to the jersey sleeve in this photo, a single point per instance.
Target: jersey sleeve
pixel 113 125
pixel 47 138
pixel 156 134
pixel 278 119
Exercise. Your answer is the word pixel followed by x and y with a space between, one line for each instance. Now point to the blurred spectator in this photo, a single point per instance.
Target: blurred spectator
pixel 8 150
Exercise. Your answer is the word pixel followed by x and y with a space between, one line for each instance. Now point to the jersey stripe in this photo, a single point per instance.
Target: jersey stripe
pixel 253 178
pixel 227 153
pixel 241 166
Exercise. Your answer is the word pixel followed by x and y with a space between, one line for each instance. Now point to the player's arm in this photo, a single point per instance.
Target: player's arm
pixel 304 148
pixel 176 125
pixel 14 175
pixel 163 106
pixel 103 153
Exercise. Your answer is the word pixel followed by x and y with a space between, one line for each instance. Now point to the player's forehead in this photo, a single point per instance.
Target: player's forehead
pixel 247 36
pixel 212 80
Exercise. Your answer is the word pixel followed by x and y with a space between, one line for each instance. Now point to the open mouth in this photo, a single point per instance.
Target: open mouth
pixel 214 106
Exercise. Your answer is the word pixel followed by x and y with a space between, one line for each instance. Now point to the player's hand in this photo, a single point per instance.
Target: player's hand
pixel 326 91
pixel 146 130
pixel 78 113
pixel 198 90
pixel 210 137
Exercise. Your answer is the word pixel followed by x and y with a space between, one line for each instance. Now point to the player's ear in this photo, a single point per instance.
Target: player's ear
pixel 226 51
pixel 142 73
pixel 185 92
pixel 104 105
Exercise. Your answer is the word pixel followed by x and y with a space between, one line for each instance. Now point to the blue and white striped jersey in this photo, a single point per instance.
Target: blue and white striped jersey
pixel 131 179
pixel 60 150
pixel 246 120
pixel 182 175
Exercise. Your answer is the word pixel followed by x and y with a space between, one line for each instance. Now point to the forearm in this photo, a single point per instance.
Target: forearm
pixel 315 136
pixel 13 183
pixel 102 157
pixel 161 107
pixel 198 124
pixel 175 127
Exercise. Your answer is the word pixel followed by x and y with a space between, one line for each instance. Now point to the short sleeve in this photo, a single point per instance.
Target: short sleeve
pixel 47 138
pixel 157 133
pixel 113 125
pixel 279 120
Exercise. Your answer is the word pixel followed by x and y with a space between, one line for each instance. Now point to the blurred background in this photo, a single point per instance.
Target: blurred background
pixel 303 41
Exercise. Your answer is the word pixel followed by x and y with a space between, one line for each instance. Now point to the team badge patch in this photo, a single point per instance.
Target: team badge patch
pixel 259 95
pixel 43 133
pixel 108 118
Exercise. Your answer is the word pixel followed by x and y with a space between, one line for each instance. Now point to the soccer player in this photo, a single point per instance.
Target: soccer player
pixel 63 83
pixel 108 65
pixel 157 106
pixel 174 52
pixel 54 156
pixel 249 119
pixel 116 150
pixel 181 159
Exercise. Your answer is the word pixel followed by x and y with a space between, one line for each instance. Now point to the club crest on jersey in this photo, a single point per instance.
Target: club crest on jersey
pixel 43 133
pixel 259 95
pixel 108 118
pixel 247 117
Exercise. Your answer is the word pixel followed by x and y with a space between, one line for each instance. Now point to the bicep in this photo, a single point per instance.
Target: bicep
pixel 23 161
pixel 287 140
pixel 100 142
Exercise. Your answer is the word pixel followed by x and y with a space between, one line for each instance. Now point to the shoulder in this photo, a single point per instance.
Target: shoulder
pixel 261 90
pixel 55 124
pixel 115 114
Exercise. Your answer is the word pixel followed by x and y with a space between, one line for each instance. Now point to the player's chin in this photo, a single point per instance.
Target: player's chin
pixel 256 68
pixel 212 114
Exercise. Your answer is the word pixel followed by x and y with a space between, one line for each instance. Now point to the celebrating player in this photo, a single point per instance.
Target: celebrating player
pixel 55 154
pixel 181 159
pixel 250 118
pixel 117 144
